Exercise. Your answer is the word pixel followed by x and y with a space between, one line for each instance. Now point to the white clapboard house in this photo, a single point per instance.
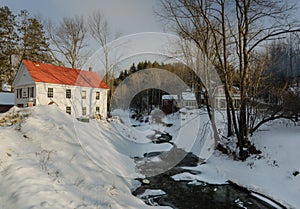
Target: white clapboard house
pixel 220 97
pixel 188 99
pixel 77 92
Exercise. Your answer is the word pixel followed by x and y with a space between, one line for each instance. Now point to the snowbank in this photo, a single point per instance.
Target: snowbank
pixel 50 160
pixel 43 165
pixel 274 173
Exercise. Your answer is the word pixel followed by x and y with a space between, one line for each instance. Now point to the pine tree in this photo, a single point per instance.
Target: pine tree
pixel 145 64
pixel 149 64
pixel 125 73
pixel 34 44
pixel 122 75
pixel 8 45
pixel 155 64
pixel 132 69
pixel 140 66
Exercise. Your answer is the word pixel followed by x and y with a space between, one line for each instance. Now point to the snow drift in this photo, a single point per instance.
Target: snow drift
pixel 50 160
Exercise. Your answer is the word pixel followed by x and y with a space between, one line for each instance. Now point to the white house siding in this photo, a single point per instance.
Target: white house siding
pixel 76 102
pixel 23 99
pixel 23 77
pixel 220 98
pixel 24 80
pixel 188 99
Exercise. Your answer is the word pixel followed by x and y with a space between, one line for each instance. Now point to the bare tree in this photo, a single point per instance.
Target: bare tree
pixel 68 40
pixel 236 31
pixel 98 27
pixel 99 30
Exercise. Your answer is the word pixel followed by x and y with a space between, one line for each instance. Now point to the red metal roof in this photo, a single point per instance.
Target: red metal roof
pixel 48 73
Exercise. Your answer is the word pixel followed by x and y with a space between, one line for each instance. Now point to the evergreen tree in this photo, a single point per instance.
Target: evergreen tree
pixel 155 64
pixel 125 73
pixel 140 66
pixel 34 44
pixel 122 75
pixel 132 69
pixel 149 64
pixel 8 45
pixel 145 64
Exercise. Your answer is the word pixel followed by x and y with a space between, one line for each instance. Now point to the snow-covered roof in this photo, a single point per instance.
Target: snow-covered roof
pixel 7 98
pixel 188 96
pixel 169 97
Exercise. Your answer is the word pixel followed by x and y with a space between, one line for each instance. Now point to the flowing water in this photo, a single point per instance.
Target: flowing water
pixel 196 194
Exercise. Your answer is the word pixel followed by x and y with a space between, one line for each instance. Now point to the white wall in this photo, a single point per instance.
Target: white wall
pixel 220 98
pixel 75 102
pixel 25 97
pixel 23 80
pixel 189 103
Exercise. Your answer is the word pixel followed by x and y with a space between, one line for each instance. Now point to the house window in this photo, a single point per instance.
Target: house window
pixel 68 110
pixel 83 110
pixel 50 92
pixel 30 92
pixel 97 110
pixel 222 103
pixel 83 94
pixel 68 93
pixel 97 95
pixel 24 93
pixel 20 93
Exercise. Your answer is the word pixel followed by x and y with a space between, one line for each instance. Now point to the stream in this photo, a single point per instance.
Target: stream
pixel 163 190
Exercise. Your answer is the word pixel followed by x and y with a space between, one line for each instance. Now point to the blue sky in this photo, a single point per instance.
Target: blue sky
pixel 124 16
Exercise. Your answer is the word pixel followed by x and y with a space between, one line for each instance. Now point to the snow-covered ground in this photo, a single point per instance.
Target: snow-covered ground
pixel 191 129
pixel 43 165
pixel 50 160
pixel 274 173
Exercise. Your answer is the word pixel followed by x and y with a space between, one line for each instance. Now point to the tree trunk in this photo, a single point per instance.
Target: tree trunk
pixel 229 121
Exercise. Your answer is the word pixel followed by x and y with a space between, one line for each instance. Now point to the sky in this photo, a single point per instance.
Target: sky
pixel 124 16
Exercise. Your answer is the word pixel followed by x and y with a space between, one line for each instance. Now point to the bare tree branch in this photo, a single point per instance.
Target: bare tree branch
pixel 68 40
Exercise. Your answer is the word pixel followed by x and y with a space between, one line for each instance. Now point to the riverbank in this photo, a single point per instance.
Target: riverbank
pixel 50 160
pixel 178 189
pixel 274 173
